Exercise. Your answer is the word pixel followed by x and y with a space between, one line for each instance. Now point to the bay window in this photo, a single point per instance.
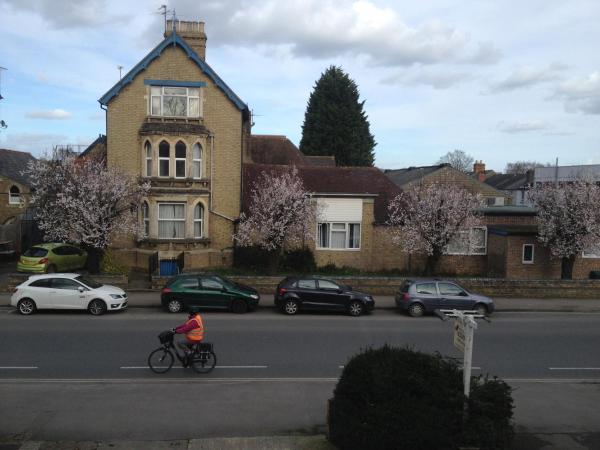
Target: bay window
pixel 146 218
pixel 197 161
pixel 164 159
pixel 171 220
pixel 148 157
pixel 198 218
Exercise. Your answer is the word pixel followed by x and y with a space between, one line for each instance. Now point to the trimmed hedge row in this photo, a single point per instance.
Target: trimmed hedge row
pixel 396 398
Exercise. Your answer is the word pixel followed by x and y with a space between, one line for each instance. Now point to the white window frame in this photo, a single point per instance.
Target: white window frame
pixel 159 220
pixel 199 206
pixel 146 217
pixel 164 158
pixel 590 255
pixel 346 231
pixel 197 162
pixel 148 159
pixel 471 251
pixel 14 198
pixel 184 159
pixel 159 92
pixel 523 260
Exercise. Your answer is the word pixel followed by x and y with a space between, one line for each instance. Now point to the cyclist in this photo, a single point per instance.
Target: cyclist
pixel 193 329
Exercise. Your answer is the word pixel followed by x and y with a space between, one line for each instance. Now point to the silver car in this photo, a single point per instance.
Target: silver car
pixel 420 296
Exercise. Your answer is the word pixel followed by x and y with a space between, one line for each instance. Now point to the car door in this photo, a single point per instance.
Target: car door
pixel 41 293
pixel 60 258
pixel 331 295
pixel 307 290
pixel 188 290
pixel 454 297
pixel 66 295
pixel 214 293
pixel 427 293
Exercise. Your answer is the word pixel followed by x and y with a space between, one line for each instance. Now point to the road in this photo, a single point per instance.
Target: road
pixel 67 375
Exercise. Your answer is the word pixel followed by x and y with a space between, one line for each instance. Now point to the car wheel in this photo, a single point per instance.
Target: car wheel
pixel 175 306
pixel 26 306
pixel 416 310
pixel 239 306
pixel 290 307
pixel 97 307
pixel 355 308
pixel 51 269
pixel 481 309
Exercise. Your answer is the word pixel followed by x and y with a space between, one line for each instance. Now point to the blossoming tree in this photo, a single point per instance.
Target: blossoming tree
pixel 568 219
pixel 426 218
pixel 80 200
pixel 281 215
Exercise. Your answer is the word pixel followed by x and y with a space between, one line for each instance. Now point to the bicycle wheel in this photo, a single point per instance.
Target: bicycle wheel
pixel 160 360
pixel 204 362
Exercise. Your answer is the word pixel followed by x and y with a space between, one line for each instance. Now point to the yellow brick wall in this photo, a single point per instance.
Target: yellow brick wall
pixel 8 211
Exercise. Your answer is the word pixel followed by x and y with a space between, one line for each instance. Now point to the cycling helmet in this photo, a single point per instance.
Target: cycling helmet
pixel 193 311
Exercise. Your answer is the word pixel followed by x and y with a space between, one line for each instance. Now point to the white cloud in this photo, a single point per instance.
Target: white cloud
pixel 581 94
pixel 35 143
pixel 435 79
pixel 522 127
pixel 323 29
pixel 52 114
pixel 526 77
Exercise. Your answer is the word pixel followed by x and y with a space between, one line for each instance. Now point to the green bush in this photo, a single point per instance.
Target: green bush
pixel 396 398
pixel 112 264
pixel 489 423
pixel 251 258
pixel 300 261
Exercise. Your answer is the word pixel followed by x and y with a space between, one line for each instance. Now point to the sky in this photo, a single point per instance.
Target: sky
pixel 502 80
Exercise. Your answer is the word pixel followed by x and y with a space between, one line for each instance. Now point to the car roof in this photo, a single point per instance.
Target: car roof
pixel 53 275
pixel 50 245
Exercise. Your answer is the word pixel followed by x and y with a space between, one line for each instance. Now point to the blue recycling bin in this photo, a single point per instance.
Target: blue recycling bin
pixel 168 267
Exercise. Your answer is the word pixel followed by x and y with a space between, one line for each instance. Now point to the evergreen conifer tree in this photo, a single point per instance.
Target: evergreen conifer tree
pixel 335 122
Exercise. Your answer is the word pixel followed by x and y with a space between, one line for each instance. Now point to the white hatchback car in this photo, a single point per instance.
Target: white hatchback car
pixel 67 291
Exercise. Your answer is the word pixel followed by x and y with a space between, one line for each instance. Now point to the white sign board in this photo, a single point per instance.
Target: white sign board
pixel 459 335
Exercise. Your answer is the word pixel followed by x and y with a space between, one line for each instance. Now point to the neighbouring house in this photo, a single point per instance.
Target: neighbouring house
pixel 173 121
pixel 445 173
pixel 96 149
pixel 479 172
pixel 566 173
pixel 353 201
pixel 14 199
pixel 515 185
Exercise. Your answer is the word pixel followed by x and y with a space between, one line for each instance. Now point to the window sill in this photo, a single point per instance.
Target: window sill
pixel 176 241
pixel 338 249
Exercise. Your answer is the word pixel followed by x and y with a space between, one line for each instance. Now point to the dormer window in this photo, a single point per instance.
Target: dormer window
pixel 171 101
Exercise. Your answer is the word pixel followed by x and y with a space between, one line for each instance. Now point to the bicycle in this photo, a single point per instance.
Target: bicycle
pixel 202 357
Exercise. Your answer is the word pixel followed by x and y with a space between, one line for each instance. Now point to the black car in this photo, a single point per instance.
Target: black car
pixel 421 296
pixel 209 291
pixel 303 293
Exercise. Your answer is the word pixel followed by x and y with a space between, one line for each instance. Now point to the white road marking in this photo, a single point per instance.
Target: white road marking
pixel 573 368
pixel 179 367
pixel 472 368
pixel 18 367
pixel 159 379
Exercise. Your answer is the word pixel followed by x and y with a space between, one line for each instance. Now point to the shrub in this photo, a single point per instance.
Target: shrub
pixel 253 258
pixel 300 260
pixel 112 264
pixel 397 398
pixel 489 423
pixel 392 398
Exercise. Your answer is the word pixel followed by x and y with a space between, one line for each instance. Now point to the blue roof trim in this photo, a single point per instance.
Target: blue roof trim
pixel 174 83
pixel 173 39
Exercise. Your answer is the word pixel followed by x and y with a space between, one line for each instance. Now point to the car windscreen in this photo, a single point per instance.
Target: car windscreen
pixel 89 282
pixel 36 252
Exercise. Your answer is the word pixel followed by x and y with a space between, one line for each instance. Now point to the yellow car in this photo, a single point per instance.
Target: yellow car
pixel 52 257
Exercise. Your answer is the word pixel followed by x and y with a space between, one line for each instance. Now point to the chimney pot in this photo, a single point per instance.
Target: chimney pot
pixel 191 32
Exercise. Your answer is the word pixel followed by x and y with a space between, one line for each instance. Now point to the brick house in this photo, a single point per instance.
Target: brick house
pixel 14 187
pixel 174 122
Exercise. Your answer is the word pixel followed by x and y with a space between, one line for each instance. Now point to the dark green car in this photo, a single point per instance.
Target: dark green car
pixel 207 291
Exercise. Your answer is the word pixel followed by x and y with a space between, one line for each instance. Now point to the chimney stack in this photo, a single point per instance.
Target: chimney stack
pixel 191 32
pixel 479 171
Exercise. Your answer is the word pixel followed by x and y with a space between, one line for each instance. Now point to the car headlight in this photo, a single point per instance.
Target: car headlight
pixel 115 295
pixel 254 296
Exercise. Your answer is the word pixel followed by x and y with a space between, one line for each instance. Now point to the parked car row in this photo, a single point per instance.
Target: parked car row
pixel 292 295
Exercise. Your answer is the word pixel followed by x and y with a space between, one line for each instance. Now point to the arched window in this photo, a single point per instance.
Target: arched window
pixel 148 158
pixel 146 218
pixel 198 218
pixel 14 197
pixel 180 157
pixel 197 161
pixel 164 157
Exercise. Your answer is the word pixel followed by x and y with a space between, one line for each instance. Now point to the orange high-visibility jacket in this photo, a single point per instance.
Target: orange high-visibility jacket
pixel 196 334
